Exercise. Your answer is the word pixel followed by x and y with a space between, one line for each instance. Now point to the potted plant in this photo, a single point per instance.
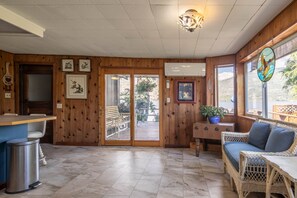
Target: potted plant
pixel 214 114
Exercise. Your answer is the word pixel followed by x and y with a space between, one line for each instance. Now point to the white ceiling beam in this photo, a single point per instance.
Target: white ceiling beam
pixel 20 22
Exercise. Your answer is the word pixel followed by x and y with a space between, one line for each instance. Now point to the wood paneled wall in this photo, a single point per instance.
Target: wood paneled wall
pixel 78 121
pixel 6 105
pixel 179 118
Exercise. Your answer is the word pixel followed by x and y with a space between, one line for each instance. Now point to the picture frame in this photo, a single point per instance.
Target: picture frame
pixel 67 65
pixel 84 65
pixel 76 86
pixel 185 91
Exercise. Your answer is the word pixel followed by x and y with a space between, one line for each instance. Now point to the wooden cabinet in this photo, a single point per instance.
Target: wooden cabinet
pixel 205 130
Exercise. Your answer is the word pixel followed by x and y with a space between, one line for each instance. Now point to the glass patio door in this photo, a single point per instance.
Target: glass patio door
pixel 131 107
pixel 146 107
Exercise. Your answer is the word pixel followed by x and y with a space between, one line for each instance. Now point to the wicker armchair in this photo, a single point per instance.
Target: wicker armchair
pixel 251 176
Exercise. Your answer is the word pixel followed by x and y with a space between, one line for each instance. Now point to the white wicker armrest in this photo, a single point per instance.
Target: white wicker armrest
pixel 234 137
pixel 253 167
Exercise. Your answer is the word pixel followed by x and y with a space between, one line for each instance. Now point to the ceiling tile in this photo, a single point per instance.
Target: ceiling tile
pixel 243 12
pixel 250 2
pixel 135 2
pixel 139 11
pixel 165 12
pixel 113 11
pixel 139 28
pixel 221 2
pixel 125 24
pixel 164 2
pixel 217 12
pixel 184 34
pixel 131 34
pixel 169 34
pixel 187 47
pixel 145 24
pixel 191 2
pixel 147 34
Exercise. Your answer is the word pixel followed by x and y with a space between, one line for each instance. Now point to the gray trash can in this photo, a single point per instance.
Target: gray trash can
pixel 22 165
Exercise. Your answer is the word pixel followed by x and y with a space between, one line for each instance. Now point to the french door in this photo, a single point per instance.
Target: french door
pixel 131 107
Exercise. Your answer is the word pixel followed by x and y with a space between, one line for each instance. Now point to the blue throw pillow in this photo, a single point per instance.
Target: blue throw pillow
pixel 259 134
pixel 280 139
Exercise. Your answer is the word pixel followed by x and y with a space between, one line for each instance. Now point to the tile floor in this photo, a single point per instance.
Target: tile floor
pixel 109 172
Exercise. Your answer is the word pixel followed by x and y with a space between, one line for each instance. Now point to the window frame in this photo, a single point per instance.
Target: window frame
pixel 216 95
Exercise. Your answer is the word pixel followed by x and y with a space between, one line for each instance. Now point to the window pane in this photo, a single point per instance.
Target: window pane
pixel 282 90
pixel 117 107
pixel 253 89
pixel 40 87
pixel 225 85
pixel 146 111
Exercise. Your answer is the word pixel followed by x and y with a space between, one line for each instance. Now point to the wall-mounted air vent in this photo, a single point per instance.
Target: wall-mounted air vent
pixel 185 69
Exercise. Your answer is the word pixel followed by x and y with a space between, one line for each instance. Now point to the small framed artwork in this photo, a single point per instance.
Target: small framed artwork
pixel 67 65
pixel 76 86
pixel 185 91
pixel 84 65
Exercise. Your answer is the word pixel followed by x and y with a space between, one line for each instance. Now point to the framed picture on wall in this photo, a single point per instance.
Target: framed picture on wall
pixel 185 91
pixel 84 65
pixel 67 65
pixel 76 86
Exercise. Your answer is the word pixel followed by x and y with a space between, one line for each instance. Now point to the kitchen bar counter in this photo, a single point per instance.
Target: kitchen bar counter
pixel 14 127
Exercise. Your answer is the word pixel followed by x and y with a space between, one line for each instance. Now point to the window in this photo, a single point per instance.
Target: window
pixel 225 87
pixel 277 98
pixel 253 89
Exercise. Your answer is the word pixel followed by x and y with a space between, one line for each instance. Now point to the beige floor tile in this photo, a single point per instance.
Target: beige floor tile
pixel 136 172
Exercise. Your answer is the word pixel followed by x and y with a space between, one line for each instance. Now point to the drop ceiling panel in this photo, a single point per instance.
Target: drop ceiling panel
pixel 113 11
pixel 187 47
pixel 164 2
pixel 129 34
pixel 135 2
pixel 167 34
pixel 145 24
pixel 165 12
pixel 183 34
pixel 217 12
pixel 124 24
pixel 250 2
pixel 147 34
pixel 243 12
pixel 220 2
pixel 139 11
pixel 204 44
pixel 138 28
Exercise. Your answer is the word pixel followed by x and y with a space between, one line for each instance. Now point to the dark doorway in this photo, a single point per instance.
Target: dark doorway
pixel 36 93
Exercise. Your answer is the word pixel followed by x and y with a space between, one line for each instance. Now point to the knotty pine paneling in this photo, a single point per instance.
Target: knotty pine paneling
pixel 78 122
pixel 6 105
pixel 282 26
pixel 179 118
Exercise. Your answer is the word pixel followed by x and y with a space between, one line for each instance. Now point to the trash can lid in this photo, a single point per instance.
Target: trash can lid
pixel 22 141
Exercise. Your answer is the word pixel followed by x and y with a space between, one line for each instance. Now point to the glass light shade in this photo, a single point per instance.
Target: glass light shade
pixel 190 20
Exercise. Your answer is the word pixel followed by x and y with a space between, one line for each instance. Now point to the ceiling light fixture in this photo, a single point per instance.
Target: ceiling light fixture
pixel 190 20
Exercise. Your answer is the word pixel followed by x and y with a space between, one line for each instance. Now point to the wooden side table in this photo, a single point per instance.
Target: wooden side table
pixel 281 165
pixel 205 130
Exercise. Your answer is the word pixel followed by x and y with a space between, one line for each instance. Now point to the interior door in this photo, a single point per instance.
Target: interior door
pixel 131 107
pixel 36 95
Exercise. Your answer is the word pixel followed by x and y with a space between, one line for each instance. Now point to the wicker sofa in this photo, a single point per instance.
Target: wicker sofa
pixel 247 169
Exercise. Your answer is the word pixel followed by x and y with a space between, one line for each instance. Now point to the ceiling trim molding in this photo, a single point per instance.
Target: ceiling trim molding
pixel 20 22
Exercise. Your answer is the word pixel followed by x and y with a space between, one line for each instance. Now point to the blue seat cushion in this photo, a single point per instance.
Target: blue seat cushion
pixel 280 139
pixel 232 150
pixel 259 134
